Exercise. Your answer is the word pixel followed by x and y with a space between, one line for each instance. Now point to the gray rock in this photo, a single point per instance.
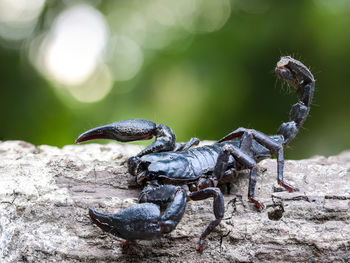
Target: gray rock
pixel 45 193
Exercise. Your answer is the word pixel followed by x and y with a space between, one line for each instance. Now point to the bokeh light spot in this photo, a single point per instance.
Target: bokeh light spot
pixel 207 16
pixel 74 45
pixel 181 93
pixel 124 58
pixel 334 6
pixel 96 87
pixel 129 23
pixel 18 18
pixel 162 13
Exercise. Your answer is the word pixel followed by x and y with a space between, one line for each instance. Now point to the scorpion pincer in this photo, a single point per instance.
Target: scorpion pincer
pixel 175 173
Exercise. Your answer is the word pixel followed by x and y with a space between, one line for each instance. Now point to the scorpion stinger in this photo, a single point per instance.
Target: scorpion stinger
pixel 175 173
pixel 295 73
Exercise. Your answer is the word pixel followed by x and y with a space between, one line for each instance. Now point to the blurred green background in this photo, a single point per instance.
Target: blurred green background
pixel 203 67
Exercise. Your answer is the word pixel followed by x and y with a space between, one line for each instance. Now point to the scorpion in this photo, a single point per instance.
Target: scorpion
pixel 175 173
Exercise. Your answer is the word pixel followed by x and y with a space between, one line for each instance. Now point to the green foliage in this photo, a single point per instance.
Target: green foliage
pixel 201 84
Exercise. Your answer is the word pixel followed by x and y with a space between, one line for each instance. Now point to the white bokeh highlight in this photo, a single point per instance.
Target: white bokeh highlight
pixel 74 45
pixel 18 18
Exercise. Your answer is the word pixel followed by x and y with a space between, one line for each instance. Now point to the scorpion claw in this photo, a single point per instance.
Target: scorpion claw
pixel 123 131
pixel 134 130
pixel 101 220
pixel 136 222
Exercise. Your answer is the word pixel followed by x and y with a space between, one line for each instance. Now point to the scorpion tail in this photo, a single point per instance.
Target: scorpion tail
pixel 299 76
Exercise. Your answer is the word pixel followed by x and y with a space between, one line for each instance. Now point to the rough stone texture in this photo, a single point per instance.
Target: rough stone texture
pixel 45 193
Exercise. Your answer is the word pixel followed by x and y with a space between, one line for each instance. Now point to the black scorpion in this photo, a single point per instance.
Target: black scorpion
pixel 174 173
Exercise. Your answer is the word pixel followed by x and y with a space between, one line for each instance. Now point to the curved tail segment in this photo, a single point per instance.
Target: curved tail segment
pixel 296 74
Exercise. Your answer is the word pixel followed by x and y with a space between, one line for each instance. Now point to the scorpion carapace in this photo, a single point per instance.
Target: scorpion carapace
pixel 174 173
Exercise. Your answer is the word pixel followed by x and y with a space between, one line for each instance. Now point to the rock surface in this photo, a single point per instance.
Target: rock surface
pixel 45 193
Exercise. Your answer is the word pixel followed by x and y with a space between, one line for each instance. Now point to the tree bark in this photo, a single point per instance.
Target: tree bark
pixel 45 193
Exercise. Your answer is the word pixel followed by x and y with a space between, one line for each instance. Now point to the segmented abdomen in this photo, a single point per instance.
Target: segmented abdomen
pixel 203 159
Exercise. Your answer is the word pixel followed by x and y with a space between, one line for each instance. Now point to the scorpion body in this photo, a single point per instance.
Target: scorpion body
pixel 194 163
pixel 174 173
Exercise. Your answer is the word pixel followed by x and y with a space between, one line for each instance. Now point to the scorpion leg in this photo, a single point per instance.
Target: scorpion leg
pixel 245 146
pixel 145 221
pixel 244 161
pixel 218 206
pixel 220 169
pixel 134 130
pixel 232 135
pixel 179 147
pixel 272 145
